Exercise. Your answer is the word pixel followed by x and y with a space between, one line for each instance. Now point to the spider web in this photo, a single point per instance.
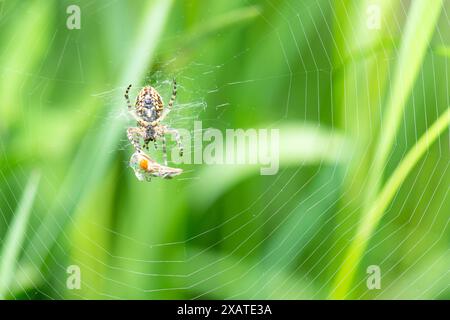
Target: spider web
pixel 279 241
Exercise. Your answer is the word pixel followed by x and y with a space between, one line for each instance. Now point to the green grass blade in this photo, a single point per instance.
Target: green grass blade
pixel 418 33
pixel 376 211
pixel 22 57
pixel 92 160
pixel 16 235
pixel 362 58
pixel 240 15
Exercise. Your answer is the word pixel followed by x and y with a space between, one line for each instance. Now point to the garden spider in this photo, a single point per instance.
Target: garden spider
pixel 149 111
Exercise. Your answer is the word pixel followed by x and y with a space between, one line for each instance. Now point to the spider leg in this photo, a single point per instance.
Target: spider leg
pixel 169 105
pixel 177 138
pixel 133 135
pixel 174 95
pixel 140 121
pixel 130 107
pixel 164 149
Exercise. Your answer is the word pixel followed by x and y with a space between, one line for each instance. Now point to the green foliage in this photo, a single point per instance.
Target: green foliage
pixel 15 236
pixel 363 117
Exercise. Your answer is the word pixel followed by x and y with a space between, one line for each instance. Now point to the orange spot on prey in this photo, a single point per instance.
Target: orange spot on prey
pixel 143 164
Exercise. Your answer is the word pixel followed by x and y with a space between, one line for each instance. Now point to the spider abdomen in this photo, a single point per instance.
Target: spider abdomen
pixel 149 104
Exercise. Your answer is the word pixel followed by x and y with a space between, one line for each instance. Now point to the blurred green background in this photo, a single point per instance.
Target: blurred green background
pixel 351 99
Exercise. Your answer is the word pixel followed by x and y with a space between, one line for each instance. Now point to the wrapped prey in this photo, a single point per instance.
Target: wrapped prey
pixel 145 168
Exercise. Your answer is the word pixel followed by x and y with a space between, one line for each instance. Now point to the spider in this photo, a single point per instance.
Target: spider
pixel 149 111
pixel 145 168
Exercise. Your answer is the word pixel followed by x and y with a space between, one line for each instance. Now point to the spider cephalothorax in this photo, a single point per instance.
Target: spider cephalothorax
pixel 149 111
